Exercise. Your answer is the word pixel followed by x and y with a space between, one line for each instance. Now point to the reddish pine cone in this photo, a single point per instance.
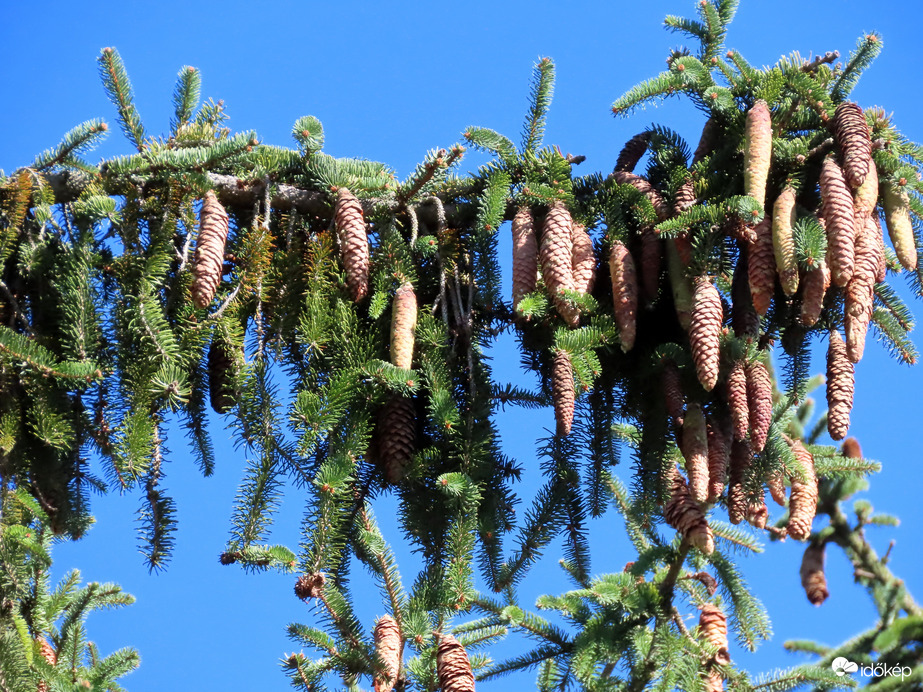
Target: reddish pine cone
pixel 705 330
pixel 452 666
pixel 744 318
pixel 802 504
pixel 624 293
pixel 695 452
pixel 710 133
pixel 673 392
pixel 209 250
pixel 683 243
pixel 354 243
pixel 719 456
pixel 403 326
pixel 737 400
pixel 49 654
pixel 583 260
pixel 309 585
pixel 757 151
pixel 220 377
pixel 741 458
pixel 644 187
pixel 851 448
pixel 812 574
pixel 632 152
pixel 562 391
pixel 860 292
pixel 840 387
pixel 840 222
pixel 897 217
pixel 866 195
pixel 651 259
pixel 525 255
pixel 684 198
pixel 396 437
pixel 761 267
pixel 714 682
pixel 852 134
pixel 713 628
pixel 757 512
pixel 759 401
pixel 556 256
pixel 813 291
pixel 776 484
pixel 388 646
pixel 783 240
pixel 684 514
pixel 881 266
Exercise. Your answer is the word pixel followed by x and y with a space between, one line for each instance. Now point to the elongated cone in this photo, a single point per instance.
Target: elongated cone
pixel 759 400
pixel 632 152
pixel 220 377
pixel 556 253
pixel 584 260
pixel 683 513
pixel 624 294
pixel 695 451
pixel 737 400
pixel 396 437
pixel 719 456
pixel 209 250
pixel 860 292
pixel 866 196
pixel 705 331
pixel 685 198
pixel 710 134
pixel 354 243
pixel 840 387
pixel 403 326
pixel 714 682
pixel 683 243
pixel 644 187
pixel 852 134
pixel 776 484
pixel 839 218
pixel 761 267
pixel 713 628
pixel 813 291
pixel 389 646
pixel 673 392
pixel 452 666
pixel 783 241
pixel 651 259
pixel 757 151
pixel 680 285
pixel 881 267
pixel 812 574
pixel 562 391
pixel 50 655
pixel 897 217
pixel 743 316
pixel 741 459
pixel 802 504
pixel 525 255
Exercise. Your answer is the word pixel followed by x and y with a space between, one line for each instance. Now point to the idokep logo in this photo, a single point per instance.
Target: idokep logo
pixel 841 666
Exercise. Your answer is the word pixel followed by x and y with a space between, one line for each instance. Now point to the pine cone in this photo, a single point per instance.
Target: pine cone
pixel 684 198
pixel 783 242
pixel 221 392
pixel 759 401
pixel 644 187
pixel 711 131
pixel 812 574
pixel 624 293
pixel 556 254
pixel 680 286
pixel 802 504
pixel 684 514
pixel 583 260
pixel 683 243
pixel 813 291
pixel 695 452
pixel 713 683
pixel 881 266
pixel 209 250
pixel 741 459
pixel 49 654
pixel 309 585
pixel 757 151
pixel 562 391
pixel 840 387
pixel 396 434
pixel 525 255
pixel 860 292
pixel 354 243
pixel 761 267
pixel 852 134
pixel 900 229
pixel 389 646
pixel 744 318
pixel 851 448
pixel 840 222
pixel 757 513
pixel 673 392
pixel 866 196
pixel 719 456
pixel 738 229
pixel 704 333
pixel 403 326
pixel 632 152
pixel 737 400
pixel 713 628
pixel 776 484
pixel 452 666
pixel 651 259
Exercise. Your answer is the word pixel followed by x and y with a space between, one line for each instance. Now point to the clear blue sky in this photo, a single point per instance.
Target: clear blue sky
pixel 390 81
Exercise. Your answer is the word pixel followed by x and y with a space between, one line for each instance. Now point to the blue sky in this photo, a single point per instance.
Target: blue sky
pixel 390 82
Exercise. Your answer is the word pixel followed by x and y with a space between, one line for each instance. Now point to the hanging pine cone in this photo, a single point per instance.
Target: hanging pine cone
pixel 743 317
pixel 651 259
pixel 852 134
pixel 860 293
pixel 403 326
pixel 685 198
pixel 851 448
pixel 897 217
pixel 309 585
pixel 737 400
pixel 881 262
pixel 641 185
pixel 683 243
pixel 452 666
pixel 680 285
pixel 813 291
pixel 759 401
pixel 389 646
pixel 719 456
pixel 757 151
pixel 761 267
pixel 673 392
pixel 840 222
pixel 741 459
pixel 711 131
pixel 866 196
pixel 221 391
pixel 840 387
pixel 562 391
pixel 812 574
pixel 684 514
pixel 624 293
pixel 525 255
pixel 209 250
pixel 705 331
pixel 583 261
pixel 695 452
pixel 783 241
pixel 354 243
pixel 738 229
pixel 757 513
pixel 632 152
pixel 802 504
pixel 713 628
pixel 776 484
pixel 556 254
pixel 395 435
pixel 51 656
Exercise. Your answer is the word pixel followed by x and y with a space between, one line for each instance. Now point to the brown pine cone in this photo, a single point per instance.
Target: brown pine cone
pixel 525 255
pixel 309 585
pixel 562 391
pixel 741 459
pixel 632 152
pixel 812 574
pixel 713 628
pixel 403 326
pixel 713 683
pixel 759 401
pixel 624 293
pixel 761 267
pixel 209 250
pixel 684 198
pixel 673 392
pixel 452 666
pixel 840 222
pixel 757 151
pixel 644 187
pixel 354 243
pixel 866 196
pixel 860 292
pixel 221 392
pixel 737 400
pixel 738 229
pixel 897 217
pixel 776 484
pixel 802 503
pixel 719 456
pixel 583 260
pixel 651 259
pixel 710 134
pixel 881 262
pixel 683 243
pixel 840 387
pixel 814 290
pixel 851 448
pixel 783 241
pixel 705 330
pixel 757 513
pixel 556 258
pixel 49 654
pixel 743 316
pixel 852 134
pixel 396 435
pixel 695 452
pixel 388 645
pixel 684 514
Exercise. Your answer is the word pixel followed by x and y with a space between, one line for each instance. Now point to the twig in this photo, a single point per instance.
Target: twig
pixel 227 301
pixel 828 57
pixel 17 311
